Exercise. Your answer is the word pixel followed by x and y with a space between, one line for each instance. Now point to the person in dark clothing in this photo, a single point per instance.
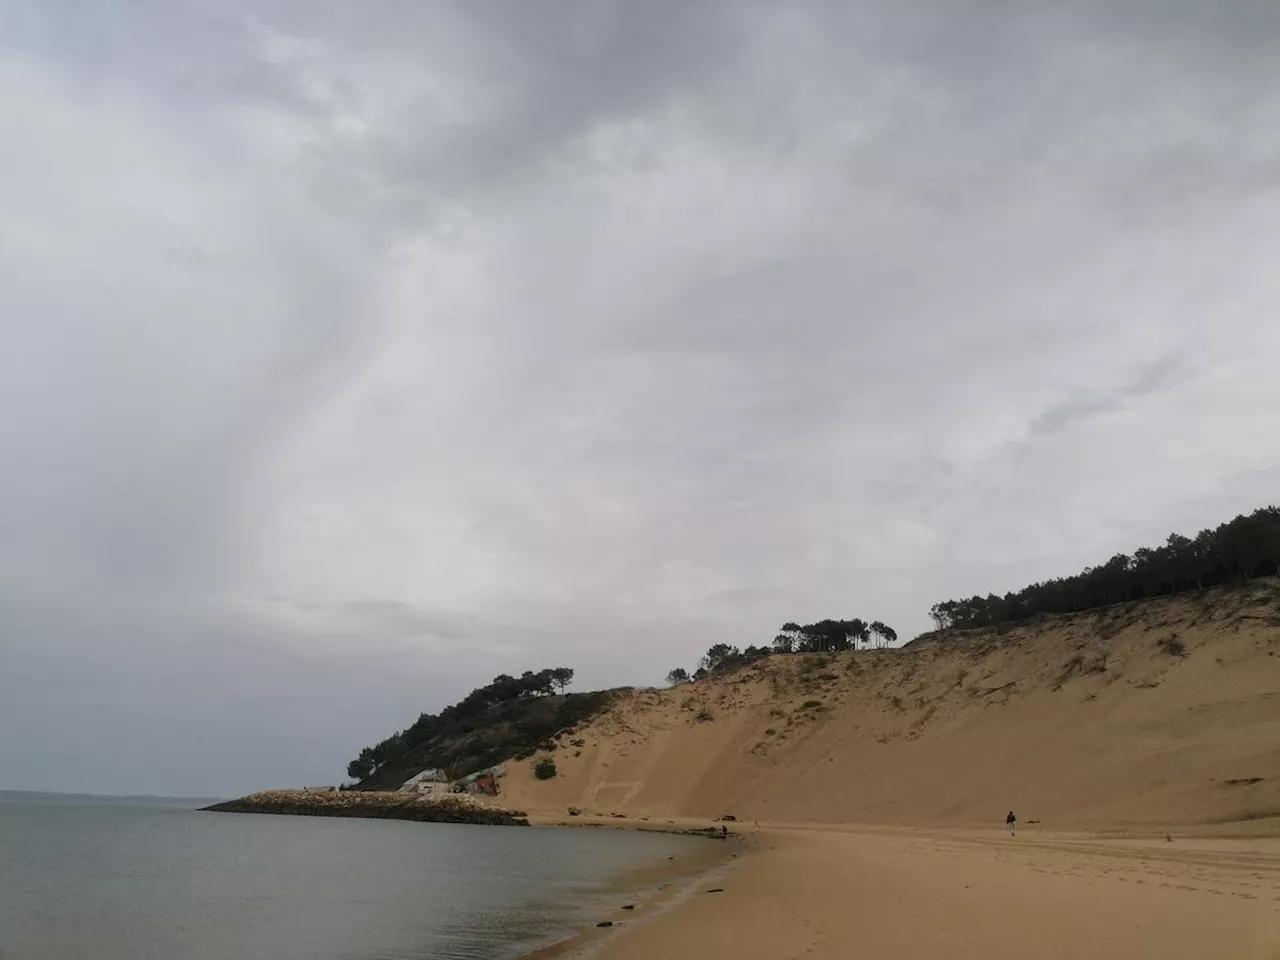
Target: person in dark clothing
pixel 724 833
pixel 1011 822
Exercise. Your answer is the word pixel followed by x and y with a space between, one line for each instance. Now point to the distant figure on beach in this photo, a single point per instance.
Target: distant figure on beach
pixel 724 832
pixel 1011 822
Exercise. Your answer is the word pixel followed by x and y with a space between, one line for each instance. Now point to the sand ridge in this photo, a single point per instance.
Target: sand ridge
pixel 1085 721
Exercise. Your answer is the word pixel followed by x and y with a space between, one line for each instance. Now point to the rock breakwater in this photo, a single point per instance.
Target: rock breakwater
pixel 372 805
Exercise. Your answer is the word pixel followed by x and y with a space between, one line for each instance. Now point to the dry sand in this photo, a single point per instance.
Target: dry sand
pixel 1083 722
pixel 834 894
pixel 1104 731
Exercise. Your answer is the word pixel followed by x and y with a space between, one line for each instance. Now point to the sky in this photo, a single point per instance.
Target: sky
pixel 357 353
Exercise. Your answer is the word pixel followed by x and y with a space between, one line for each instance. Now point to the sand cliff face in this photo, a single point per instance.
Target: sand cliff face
pixel 1161 712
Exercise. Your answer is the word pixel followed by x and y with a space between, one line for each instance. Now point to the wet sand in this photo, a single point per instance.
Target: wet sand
pixel 645 893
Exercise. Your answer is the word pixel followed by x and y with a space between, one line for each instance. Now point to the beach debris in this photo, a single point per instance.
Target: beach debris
pixel 628 906
pixel 605 923
pixel 716 890
pixel 575 811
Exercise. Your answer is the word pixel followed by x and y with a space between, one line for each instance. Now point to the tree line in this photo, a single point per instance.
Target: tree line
pixel 1236 551
pixel 825 636
pixel 427 727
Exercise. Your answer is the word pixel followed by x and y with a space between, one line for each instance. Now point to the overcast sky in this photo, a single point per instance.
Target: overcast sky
pixel 356 353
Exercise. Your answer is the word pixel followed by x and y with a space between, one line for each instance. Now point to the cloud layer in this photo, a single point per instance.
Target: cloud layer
pixel 357 355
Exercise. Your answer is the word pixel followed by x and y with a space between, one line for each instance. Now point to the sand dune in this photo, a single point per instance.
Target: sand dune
pixel 1139 716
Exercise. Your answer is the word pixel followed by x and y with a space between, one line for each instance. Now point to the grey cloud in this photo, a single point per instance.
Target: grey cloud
pixel 1160 373
pixel 412 620
pixel 480 336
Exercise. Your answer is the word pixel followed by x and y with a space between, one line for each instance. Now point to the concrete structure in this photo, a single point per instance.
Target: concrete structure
pixel 434 780
pixel 481 782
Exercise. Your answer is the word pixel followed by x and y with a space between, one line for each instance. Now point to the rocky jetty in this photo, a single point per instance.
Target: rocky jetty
pixel 373 805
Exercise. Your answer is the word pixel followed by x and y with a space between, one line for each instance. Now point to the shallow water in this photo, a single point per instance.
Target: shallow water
pixel 137 881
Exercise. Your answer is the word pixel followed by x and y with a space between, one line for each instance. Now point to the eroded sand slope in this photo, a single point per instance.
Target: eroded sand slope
pixel 1155 713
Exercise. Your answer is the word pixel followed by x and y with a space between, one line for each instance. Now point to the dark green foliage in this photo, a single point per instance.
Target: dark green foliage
pixel 537 684
pixel 1235 552
pixel 545 769
pixel 884 635
pixel 1173 646
pixel 361 767
pixel 824 636
pixel 508 717
pixel 786 641
pixel 719 656
pixel 833 636
pixel 719 659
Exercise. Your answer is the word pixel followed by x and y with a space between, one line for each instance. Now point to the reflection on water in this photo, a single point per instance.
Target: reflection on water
pixel 134 882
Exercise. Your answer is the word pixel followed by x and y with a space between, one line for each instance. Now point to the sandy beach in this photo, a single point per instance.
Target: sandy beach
pixel 836 893
pixel 880 782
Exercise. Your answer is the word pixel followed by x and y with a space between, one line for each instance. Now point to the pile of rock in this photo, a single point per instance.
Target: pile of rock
pixel 454 808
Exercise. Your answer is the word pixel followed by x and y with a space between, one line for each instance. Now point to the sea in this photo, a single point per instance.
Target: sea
pixel 85 878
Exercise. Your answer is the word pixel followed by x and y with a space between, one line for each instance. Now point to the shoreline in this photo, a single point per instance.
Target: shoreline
pixel 1082 890
pixel 702 827
pixel 640 894
pixel 645 894
pixel 821 891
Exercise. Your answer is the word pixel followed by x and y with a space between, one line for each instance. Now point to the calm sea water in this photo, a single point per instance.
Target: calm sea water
pixel 161 881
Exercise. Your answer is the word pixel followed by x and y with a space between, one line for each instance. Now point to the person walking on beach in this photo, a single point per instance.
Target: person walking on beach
pixel 1011 822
